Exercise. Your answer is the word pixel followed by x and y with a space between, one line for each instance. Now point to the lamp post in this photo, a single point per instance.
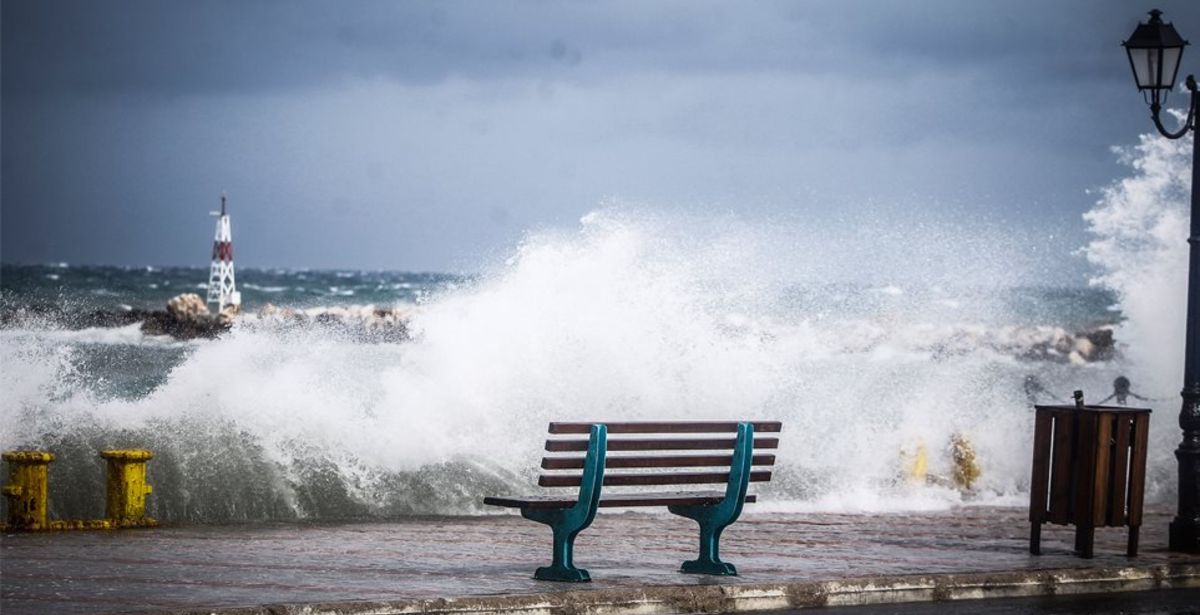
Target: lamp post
pixel 1155 49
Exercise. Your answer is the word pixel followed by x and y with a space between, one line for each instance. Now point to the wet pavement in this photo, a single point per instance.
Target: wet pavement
pixel 1162 602
pixel 182 568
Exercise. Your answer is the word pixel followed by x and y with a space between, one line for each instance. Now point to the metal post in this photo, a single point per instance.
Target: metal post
pixel 1185 528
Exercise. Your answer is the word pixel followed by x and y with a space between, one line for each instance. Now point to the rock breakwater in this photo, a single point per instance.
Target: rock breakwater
pixel 186 317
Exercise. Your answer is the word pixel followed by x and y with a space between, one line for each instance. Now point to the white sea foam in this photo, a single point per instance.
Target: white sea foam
pixel 127 335
pixel 1140 225
pixel 1140 229
pixel 265 289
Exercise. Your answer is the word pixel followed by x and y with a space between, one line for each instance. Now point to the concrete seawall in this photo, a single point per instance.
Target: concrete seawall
pixel 718 598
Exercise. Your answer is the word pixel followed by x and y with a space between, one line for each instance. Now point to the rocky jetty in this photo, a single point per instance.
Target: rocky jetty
pixel 187 317
pixel 362 323
pixel 1084 347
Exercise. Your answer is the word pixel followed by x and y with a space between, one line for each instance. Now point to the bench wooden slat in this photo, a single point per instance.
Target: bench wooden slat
pixel 665 427
pixel 683 498
pixel 669 478
pixel 661 461
pixel 654 444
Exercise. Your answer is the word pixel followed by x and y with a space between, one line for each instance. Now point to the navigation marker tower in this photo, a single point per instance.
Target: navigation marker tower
pixel 222 290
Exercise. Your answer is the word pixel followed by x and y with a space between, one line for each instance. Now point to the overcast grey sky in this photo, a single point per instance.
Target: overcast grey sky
pixel 432 135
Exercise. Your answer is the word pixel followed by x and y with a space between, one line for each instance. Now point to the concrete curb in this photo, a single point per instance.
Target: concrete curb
pixel 717 598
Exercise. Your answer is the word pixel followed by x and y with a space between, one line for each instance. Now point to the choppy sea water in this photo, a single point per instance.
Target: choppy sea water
pixel 628 316
pixel 93 287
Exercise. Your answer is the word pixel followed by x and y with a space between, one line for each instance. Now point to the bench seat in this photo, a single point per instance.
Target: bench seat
pixel 674 498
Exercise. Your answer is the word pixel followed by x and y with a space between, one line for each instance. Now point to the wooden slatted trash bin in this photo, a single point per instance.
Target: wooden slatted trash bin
pixel 1089 470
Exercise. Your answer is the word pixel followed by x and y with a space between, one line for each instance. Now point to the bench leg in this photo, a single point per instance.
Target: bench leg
pixel 563 567
pixel 568 522
pixel 1035 537
pixel 709 560
pixel 565 529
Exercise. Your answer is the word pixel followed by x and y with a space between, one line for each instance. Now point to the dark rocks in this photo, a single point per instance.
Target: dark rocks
pixel 1061 346
pixel 187 317
pixel 203 327
pixel 369 324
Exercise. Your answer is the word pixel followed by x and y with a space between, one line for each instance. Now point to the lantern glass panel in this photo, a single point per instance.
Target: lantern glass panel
pixel 1145 66
pixel 1170 66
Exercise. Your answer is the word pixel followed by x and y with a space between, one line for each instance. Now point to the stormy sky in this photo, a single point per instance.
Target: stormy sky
pixel 432 135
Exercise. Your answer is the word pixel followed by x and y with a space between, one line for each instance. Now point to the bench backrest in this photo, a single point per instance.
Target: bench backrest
pixel 677 453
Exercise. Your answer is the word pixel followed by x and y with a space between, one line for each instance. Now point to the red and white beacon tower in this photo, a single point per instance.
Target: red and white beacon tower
pixel 222 289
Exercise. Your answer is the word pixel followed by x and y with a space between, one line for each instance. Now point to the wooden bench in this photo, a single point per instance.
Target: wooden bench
pixel 696 453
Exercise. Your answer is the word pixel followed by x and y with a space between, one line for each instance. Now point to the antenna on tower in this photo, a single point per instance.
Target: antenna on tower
pixel 222 289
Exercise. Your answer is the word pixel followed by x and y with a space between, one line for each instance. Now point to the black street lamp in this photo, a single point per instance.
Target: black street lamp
pixel 1155 49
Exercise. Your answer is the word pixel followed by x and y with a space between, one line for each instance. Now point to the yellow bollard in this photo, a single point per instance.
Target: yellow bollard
pixel 914 464
pixel 125 504
pixel 966 469
pixel 26 490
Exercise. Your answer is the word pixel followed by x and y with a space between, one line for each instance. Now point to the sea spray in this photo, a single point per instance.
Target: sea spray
pixel 630 316
pixel 1140 229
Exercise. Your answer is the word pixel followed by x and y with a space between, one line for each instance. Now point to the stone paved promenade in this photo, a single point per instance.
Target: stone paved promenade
pixel 204 568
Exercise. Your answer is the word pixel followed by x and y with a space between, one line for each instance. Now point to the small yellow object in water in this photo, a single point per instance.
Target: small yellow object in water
pixel 966 469
pixel 915 464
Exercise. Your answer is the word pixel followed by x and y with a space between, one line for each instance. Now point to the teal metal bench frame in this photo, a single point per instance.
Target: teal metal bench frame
pixel 714 519
pixel 566 524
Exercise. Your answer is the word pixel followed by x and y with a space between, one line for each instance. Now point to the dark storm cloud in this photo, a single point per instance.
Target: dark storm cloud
pixel 422 134
pixel 173 47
